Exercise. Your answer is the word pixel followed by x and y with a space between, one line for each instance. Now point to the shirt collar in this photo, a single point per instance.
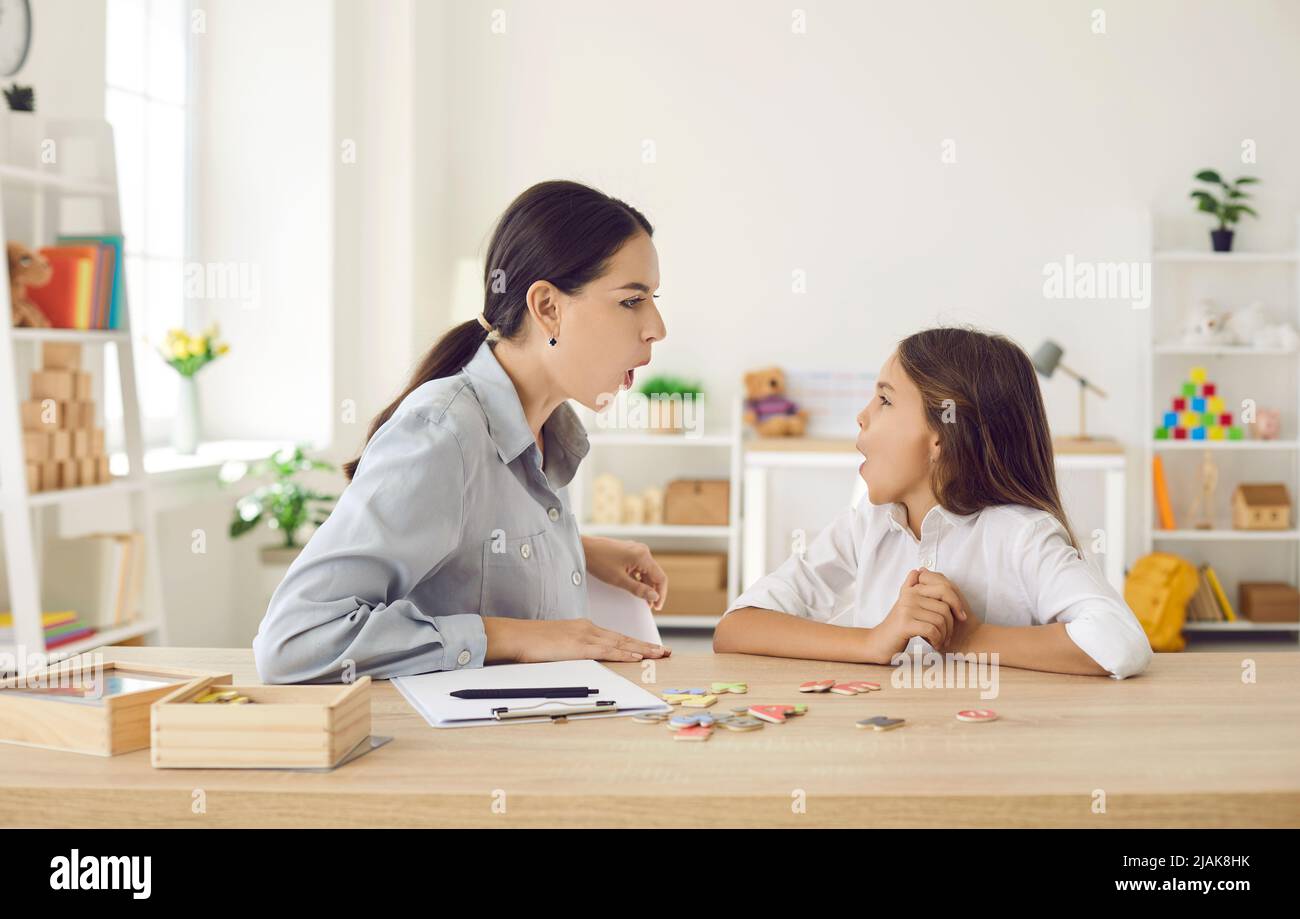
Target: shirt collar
pixel 563 433
pixel 898 516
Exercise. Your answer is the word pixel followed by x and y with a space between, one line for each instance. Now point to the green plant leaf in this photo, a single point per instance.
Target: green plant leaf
pixel 1247 180
pixel 1209 175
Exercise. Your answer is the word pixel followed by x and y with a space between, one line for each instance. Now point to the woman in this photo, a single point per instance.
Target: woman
pixel 454 544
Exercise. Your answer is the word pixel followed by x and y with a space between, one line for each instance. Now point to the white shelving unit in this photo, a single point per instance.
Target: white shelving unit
pixel 53 192
pixel 1236 277
pixel 725 446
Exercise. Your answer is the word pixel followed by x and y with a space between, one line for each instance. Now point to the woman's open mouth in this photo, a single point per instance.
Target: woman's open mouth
pixel 628 376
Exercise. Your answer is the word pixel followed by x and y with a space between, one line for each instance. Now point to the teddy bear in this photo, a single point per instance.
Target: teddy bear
pixel 767 409
pixel 27 268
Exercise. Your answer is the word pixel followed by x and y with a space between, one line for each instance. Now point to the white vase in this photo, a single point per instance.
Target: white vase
pixel 185 432
pixel 21 135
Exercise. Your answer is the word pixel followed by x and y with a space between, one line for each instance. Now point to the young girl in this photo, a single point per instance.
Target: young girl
pixel 961 542
pixel 454 544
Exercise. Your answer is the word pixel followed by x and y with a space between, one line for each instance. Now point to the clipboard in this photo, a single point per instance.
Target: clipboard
pixel 430 694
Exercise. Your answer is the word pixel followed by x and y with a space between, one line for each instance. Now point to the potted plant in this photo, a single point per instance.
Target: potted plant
pixel 187 355
pixel 669 392
pixel 1228 210
pixel 284 504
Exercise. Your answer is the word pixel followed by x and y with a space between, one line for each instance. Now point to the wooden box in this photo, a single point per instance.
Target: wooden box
pixel 80 707
pixel 34 418
pixel 83 387
pixel 36 446
pixel 697 583
pixel 79 415
pixel 60 355
pixel 697 502
pixel 59 385
pixel 694 570
pixel 289 726
pixel 1262 601
pixel 69 474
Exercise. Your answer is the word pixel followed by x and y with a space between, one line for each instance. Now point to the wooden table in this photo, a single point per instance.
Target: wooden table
pixel 1186 744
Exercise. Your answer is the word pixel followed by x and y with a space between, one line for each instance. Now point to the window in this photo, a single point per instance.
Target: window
pixel 147 101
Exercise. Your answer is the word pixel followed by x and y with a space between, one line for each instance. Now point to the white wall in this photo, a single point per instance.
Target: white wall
pixel 822 152
pixel 263 174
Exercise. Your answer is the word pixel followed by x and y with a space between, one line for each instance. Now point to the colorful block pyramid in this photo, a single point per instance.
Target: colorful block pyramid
pixel 1198 412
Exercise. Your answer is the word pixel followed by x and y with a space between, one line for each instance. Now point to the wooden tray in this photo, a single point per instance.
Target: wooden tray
pixel 291 726
pixel 106 724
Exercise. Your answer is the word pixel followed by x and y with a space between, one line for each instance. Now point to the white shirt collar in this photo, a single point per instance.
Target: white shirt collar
pixel 898 516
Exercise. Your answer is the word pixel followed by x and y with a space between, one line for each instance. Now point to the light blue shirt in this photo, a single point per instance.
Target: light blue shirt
pixel 451 516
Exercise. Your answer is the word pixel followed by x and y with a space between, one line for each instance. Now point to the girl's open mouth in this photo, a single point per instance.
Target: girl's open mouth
pixel 628 377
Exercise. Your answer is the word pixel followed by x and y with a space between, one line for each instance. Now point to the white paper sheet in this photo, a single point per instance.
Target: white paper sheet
pixel 619 611
pixel 430 693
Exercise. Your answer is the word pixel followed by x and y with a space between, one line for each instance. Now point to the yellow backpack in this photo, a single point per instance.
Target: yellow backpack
pixel 1157 590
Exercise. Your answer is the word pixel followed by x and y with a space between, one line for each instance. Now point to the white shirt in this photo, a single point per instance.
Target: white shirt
pixel 1013 564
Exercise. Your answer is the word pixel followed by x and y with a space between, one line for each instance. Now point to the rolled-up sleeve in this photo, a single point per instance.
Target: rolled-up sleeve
pixel 1063 587
pixel 812 583
pixel 342 609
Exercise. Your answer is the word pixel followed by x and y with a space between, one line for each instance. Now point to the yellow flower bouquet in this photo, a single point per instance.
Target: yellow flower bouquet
pixel 190 353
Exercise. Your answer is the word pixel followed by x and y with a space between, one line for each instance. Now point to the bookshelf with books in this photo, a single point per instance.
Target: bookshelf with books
pixel 1225 415
pixel 53 376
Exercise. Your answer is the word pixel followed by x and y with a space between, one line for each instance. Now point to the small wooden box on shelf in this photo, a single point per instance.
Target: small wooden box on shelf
pixel 83 705
pixel 61 445
pixel 290 726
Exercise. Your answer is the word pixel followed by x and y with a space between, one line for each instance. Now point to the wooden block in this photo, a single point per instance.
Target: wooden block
pixel 68 477
pixel 49 475
pixel 96 441
pixel 80 443
pixel 79 415
pixel 33 477
pixel 41 415
pixel 82 386
pixel 53 384
pixel 60 355
pixel 102 473
pixel 60 445
pixel 36 446
pixel 87 470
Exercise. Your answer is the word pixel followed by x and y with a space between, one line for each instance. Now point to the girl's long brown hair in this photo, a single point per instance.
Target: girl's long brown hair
pixel 562 232
pixel 982 398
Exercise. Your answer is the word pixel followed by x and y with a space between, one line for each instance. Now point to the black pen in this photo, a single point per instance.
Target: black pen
pixel 533 692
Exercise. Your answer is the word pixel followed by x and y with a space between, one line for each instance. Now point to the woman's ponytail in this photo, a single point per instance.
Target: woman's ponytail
pixel 446 358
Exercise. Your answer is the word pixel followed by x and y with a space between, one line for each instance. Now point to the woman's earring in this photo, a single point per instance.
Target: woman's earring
pixel 552 342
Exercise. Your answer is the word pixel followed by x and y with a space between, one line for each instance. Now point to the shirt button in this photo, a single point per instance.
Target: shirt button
pixel 577 579
pixel 927 563
pixel 526 550
pixel 463 658
pixel 554 514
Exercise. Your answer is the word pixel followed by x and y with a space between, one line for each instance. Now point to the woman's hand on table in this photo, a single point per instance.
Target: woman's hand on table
pixel 531 641
pixel 628 565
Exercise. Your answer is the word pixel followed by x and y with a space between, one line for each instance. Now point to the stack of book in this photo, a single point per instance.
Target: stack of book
pixel 60 628
pixel 61 444
pixel 1209 603
pixel 85 290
